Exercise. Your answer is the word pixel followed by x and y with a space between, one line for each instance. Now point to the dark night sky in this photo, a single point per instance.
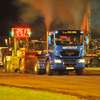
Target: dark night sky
pixel 8 16
pixel 14 13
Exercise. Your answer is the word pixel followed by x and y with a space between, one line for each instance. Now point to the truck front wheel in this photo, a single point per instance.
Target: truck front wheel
pixel 48 70
pixel 36 69
pixel 79 71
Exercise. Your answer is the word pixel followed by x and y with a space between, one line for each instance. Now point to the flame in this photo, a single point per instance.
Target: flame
pixel 83 23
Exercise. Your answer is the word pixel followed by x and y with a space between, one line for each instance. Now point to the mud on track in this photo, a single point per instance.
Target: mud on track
pixel 86 86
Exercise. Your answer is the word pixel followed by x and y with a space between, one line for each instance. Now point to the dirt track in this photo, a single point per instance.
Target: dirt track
pixel 86 86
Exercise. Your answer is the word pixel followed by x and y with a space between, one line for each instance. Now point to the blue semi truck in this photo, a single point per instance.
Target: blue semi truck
pixel 65 51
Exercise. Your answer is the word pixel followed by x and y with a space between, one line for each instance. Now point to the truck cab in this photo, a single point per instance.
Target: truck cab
pixel 65 51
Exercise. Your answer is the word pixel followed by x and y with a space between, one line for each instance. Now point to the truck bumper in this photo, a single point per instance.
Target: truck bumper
pixel 68 64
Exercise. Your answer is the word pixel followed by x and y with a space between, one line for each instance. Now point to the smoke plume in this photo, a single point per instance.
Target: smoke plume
pixel 56 14
pixel 67 12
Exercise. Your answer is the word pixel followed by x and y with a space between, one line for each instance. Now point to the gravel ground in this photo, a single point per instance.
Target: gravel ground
pixel 86 86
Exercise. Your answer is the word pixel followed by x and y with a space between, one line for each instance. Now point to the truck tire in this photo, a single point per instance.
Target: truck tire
pixel 36 68
pixel 7 66
pixel 4 61
pixel 20 66
pixel 48 70
pixel 79 71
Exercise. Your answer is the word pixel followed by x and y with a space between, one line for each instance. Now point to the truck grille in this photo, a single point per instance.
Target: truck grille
pixel 70 61
pixel 69 52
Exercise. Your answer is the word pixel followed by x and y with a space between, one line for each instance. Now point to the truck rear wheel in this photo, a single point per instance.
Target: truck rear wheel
pixel 20 66
pixel 48 70
pixel 4 60
pixel 36 68
pixel 79 71
pixel 7 66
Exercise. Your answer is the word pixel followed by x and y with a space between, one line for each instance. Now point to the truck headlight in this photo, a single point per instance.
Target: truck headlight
pixel 57 61
pixel 82 31
pixel 81 60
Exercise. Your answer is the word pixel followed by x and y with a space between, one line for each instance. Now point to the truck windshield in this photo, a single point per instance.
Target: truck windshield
pixel 68 39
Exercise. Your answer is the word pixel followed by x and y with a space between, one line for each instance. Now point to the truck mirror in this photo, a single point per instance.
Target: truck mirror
pixel 87 40
pixel 49 40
